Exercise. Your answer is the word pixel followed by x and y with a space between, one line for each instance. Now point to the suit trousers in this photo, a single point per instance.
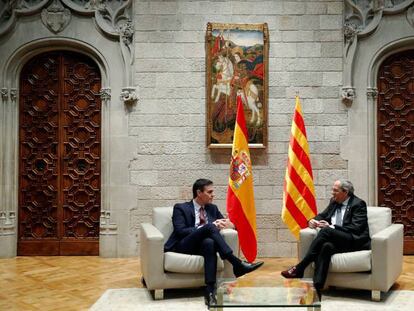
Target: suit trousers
pixel 329 241
pixel 205 241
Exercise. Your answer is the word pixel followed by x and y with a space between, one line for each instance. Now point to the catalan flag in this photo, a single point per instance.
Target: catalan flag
pixel 240 195
pixel 299 203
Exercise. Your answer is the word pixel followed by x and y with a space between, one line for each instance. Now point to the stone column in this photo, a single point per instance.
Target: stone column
pixel 108 233
pixel 8 172
pixel 372 94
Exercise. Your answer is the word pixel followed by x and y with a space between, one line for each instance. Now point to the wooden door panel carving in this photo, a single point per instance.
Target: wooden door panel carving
pixel 395 118
pixel 81 120
pixel 39 173
pixel 59 171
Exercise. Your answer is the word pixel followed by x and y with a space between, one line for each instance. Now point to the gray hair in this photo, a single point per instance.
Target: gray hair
pixel 346 186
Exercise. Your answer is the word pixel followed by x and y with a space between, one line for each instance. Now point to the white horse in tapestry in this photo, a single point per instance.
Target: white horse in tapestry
pixel 225 73
pixel 250 98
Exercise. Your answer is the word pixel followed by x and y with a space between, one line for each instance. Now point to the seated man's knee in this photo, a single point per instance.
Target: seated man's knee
pixel 208 245
pixel 325 232
pixel 327 247
pixel 212 228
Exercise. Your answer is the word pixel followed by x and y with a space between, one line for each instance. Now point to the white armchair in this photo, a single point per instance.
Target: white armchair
pixel 174 270
pixel 376 269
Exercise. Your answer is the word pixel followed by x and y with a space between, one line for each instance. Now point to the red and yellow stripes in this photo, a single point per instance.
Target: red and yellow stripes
pixel 240 194
pixel 299 204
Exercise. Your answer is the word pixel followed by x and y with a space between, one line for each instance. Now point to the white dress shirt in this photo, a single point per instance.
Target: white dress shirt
pixel 342 211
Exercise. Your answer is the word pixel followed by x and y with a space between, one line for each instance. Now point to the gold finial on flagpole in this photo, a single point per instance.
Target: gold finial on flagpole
pixel 297 93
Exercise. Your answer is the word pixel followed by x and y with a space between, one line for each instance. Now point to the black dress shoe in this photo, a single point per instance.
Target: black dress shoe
pixel 210 299
pixel 246 267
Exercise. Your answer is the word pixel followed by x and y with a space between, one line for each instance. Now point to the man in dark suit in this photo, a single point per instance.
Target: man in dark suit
pixel 344 228
pixel 197 226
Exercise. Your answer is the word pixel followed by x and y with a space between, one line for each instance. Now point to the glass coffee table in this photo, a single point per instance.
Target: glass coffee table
pixel 275 292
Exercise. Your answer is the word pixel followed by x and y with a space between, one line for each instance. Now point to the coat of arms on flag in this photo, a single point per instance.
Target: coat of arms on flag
pixel 239 167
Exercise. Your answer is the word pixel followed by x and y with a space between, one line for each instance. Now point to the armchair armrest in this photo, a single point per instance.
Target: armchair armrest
pixel 306 236
pixel 387 256
pixel 232 239
pixel 152 255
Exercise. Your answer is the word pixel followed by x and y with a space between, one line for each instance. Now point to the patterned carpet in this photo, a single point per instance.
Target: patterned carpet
pixel 131 299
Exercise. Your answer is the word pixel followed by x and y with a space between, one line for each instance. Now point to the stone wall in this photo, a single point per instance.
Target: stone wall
pixel 169 123
pixel 153 151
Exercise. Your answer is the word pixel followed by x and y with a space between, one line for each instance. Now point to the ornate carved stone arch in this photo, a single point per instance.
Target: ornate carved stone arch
pixel 103 30
pixel 372 31
pixel 385 51
pixel 113 19
pixel 378 58
pixel 9 124
pixel 17 60
pixel 391 136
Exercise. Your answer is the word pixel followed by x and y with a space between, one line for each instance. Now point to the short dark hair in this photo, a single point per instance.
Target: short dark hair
pixel 199 185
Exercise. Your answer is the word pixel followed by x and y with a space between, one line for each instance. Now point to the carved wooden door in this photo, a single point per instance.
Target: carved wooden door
pixel 395 119
pixel 59 149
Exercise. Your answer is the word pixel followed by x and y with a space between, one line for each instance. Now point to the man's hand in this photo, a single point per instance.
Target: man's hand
pixel 313 224
pixel 223 223
pixel 323 224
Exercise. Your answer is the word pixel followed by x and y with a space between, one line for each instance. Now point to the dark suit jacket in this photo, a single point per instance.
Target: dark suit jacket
pixel 183 219
pixel 355 220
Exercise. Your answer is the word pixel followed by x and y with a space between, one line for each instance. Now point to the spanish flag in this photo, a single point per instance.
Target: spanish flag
pixel 240 195
pixel 299 203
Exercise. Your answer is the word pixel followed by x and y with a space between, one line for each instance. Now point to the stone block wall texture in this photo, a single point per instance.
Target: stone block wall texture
pixel 169 122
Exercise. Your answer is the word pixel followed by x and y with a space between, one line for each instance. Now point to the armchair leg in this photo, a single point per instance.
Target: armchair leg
pixel 158 294
pixel 376 295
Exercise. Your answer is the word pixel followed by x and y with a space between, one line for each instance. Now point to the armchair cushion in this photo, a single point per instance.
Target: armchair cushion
pixel 183 263
pixel 359 261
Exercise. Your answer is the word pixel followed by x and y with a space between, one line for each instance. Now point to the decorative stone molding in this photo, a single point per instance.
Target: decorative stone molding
pixel 7 222
pixel 13 95
pixel 350 31
pixel 129 95
pixel 113 18
pixel 410 15
pixel 126 31
pixel 109 15
pixel 56 17
pixel 83 7
pixel 105 222
pixel 108 234
pixel 348 95
pixel 362 18
pixel 372 93
pixel 4 93
pixel 105 94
